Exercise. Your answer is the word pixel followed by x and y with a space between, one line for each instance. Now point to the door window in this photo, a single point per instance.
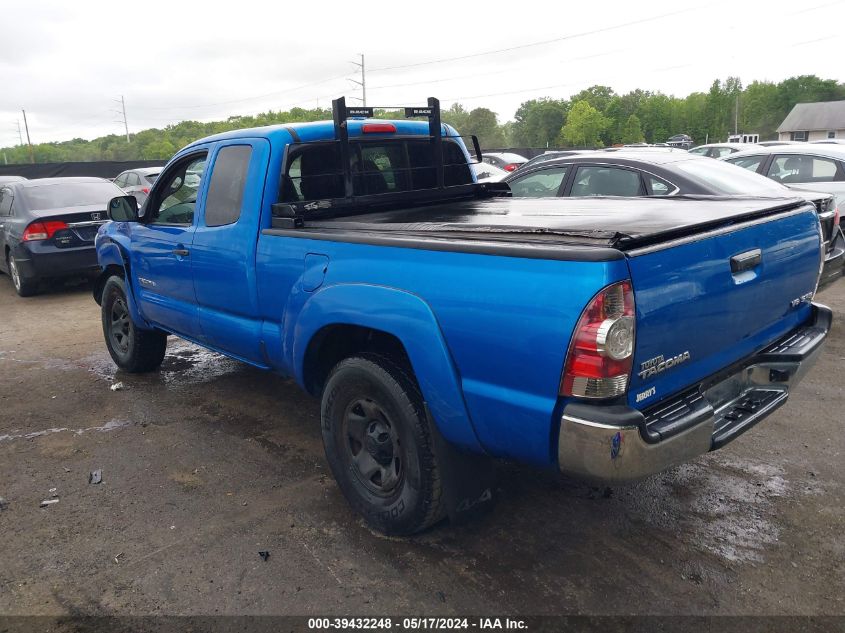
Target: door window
pixel 797 168
pixel 718 152
pixel 132 179
pixel 176 198
pixel 751 163
pixel 660 187
pixel 539 184
pixel 606 181
pixel 5 202
pixel 226 188
pixel 120 181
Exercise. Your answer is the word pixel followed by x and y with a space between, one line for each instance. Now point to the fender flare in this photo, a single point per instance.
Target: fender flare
pixel 112 254
pixel 410 319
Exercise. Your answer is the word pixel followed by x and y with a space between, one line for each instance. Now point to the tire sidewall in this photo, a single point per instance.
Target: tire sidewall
pixel 113 289
pixel 355 378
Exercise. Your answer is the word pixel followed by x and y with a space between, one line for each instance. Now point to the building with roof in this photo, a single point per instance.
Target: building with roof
pixel 814 122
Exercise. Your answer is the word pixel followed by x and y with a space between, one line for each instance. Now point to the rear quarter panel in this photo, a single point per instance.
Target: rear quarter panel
pixel 505 323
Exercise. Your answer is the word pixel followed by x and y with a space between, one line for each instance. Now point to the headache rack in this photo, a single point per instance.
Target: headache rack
pixel 291 214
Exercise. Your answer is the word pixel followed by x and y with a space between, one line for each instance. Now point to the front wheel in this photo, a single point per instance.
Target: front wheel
pixel 379 445
pixel 133 349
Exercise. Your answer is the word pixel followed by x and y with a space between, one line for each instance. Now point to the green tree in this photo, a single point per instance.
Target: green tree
pixel 483 123
pixel 584 126
pixel 632 132
pixel 537 122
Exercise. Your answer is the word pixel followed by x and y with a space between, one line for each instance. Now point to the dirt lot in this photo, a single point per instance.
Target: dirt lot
pixel 209 461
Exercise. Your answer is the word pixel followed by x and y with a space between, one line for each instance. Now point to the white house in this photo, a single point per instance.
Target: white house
pixel 814 122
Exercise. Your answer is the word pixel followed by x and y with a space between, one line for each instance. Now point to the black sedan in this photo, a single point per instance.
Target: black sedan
pixel 631 173
pixel 47 228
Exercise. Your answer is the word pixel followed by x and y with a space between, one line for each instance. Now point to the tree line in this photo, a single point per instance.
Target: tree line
pixel 595 117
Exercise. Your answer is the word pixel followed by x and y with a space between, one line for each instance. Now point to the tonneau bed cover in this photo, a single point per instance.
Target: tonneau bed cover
pixel 610 222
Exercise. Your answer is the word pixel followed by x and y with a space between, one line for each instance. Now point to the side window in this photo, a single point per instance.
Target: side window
pixel 226 188
pixel 605 181
pixel 120 181
pixel 797 168
pixel 540 184
pixel 699 151
pixel 132 179
pixel 5 202
pixel 718 152
pixel 176 198
pixel 659 187
pixel 751 163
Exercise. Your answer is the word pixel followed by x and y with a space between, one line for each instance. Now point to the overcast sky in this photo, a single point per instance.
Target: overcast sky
pixel 66 62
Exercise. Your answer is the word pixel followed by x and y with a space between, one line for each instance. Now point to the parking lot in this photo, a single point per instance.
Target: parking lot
pixel 208 461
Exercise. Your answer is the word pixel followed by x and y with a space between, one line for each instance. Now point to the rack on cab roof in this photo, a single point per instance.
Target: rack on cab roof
pixel 343 173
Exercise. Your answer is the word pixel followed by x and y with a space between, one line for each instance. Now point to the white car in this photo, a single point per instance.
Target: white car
pixel 806 166
pixel 484 172
pixel 720 150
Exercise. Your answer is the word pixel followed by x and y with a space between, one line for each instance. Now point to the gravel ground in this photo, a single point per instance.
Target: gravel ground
pixel 209 461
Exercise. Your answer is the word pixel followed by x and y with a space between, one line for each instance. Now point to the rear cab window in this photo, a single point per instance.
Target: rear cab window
pixel 314 171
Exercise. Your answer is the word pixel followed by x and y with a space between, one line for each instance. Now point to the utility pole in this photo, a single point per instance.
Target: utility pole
pixel 363 82
pixel 29 142
pixel 122 113
pixel 20 136
pixel 736 115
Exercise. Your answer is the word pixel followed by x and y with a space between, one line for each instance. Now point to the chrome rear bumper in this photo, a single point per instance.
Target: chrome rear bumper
pixel 618 443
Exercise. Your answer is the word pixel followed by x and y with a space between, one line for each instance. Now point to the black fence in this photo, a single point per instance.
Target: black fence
pixel 101 169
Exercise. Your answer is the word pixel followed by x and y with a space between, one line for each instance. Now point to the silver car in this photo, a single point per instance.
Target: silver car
pixel 137 182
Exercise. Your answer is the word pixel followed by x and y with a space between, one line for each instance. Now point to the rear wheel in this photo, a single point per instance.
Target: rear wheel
pixel 132 349
pixel 379 445
pixel 23 286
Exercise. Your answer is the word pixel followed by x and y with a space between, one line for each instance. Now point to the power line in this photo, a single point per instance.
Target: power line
pixel 253 98
pixel 541 43
pixel 495 72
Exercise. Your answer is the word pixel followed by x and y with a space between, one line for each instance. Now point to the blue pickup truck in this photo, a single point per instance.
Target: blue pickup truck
pixel 443 323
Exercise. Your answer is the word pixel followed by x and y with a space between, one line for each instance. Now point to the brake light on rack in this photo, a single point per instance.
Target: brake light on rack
pixel 601 353
pixel 378 128
pixel 511 167
pixel 42 230
pixel 145 189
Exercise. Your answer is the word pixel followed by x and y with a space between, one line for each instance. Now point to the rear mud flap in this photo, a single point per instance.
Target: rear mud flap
pixel 468 479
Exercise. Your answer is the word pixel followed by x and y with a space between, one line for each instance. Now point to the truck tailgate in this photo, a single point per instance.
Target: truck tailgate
pixel 707 301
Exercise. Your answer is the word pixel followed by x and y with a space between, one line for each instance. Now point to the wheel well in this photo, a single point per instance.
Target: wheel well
pixel 333 343
pixel 109 271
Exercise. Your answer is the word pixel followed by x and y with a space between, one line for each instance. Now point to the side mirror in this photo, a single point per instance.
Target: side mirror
pixel 123 209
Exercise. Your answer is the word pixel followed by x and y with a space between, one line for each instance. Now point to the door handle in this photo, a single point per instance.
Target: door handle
pixel 181 252
pixel 746 261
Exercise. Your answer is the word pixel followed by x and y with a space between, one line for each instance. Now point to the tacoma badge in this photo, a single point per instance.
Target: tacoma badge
pixel 660 364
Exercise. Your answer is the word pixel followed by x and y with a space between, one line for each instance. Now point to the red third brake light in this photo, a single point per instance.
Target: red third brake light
pixel 378 128
pixel 511 167
pixel 598 364
pixel 42 230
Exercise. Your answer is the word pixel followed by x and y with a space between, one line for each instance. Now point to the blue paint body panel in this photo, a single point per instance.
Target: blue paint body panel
pixel 487 335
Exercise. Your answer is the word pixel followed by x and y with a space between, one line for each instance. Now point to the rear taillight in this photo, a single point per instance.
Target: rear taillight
pixel 145 189
pixel 511 167
pixel 378 128
pixel 42 230
pixel 598 364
